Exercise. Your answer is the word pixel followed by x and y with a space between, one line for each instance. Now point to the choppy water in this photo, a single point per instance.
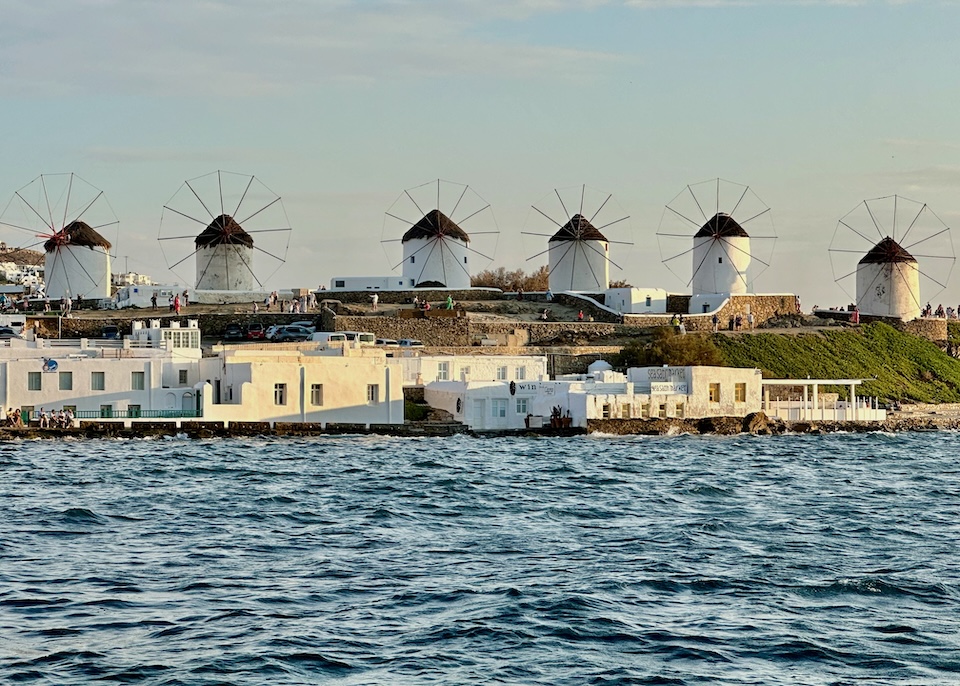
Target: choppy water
pixel 595 560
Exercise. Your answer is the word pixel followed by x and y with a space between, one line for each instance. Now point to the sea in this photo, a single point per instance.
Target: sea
pixel 597 559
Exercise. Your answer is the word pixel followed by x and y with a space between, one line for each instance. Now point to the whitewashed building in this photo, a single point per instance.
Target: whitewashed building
pixel 151 373
pixel 422 369
pixel 302 384
pixel 642 393
pixel 636 300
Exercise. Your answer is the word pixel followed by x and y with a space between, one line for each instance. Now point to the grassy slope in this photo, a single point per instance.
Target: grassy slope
pixel 905 367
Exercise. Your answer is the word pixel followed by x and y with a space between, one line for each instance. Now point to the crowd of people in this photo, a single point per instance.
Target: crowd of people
pixel 940 312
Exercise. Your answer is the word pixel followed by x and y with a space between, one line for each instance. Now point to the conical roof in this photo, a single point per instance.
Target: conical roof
pixel 578 228
pixel 223 230
pixel 722 225
pixel 76 233
pixel 435 224
pixel 887 251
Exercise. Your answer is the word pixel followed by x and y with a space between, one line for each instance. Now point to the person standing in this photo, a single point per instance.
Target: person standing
pixel 375 298
pixel 580 316
pixel 153 300
pixel 449 302
pixel 716 322
pixel 176 304
pixel 750 320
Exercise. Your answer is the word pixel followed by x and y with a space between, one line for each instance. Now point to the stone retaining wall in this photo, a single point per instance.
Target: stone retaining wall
pixel 406 297
pixel 764 308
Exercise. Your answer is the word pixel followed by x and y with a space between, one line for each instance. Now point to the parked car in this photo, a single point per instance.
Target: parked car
pixel 362 337
pixel 291 333
pixel 271 331
pixel 6 333
pixel 310 326
pixel 255 331
pixel 233 332
pixel 110 332
pixel 328 337
pixel 387 343
pixel 410 343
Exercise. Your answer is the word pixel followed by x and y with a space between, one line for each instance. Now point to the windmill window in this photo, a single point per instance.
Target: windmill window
pixel 649 301
pixel 719 260
pixel 413 258
pixel 464 259
pixel 339 284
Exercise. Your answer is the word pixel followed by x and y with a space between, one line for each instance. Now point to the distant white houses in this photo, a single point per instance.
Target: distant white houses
pixel 642 393
pixel 159 373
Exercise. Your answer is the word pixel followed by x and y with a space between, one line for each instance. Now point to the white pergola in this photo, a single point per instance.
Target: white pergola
pixel 809 407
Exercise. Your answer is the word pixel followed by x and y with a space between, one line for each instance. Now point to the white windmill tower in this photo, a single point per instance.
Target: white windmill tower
pixel 245 234
pixel 578 253
pixel 77 263
pixel 67 214
pixel 889 277
pixel 721 257
pixel 724 258
pixel 436 251
pixel 224 256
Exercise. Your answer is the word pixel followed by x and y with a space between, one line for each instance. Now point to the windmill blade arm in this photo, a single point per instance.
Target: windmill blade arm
pixel 186 216
pixel 615 221
pixel 269 204
pixel 547 216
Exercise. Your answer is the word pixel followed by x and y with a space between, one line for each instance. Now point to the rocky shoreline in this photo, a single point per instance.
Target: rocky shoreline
pixel 757 424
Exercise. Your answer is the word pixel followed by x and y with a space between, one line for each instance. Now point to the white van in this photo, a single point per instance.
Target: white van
pixel 326 337
pixel 361 337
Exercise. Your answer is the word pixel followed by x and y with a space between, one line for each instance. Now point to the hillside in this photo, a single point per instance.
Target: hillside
pixel 892 364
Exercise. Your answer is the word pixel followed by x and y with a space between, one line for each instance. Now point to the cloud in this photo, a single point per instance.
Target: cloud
pixel 259 47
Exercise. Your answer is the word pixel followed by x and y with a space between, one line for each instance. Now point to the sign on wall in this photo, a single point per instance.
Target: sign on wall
pixel 669 388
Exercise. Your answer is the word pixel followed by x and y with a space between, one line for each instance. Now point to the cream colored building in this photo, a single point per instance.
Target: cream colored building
pixel 301 384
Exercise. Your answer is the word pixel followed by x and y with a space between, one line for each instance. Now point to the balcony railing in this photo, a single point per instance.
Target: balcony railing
pixel 138 414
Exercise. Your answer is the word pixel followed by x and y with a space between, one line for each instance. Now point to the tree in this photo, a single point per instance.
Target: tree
pixel 511 281
pixel 669 347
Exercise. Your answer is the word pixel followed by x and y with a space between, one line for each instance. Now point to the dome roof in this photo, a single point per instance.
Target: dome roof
pixel 223 230
pixel 578 228
pixel 887 251
pixel 76 233
pixel 435 224
pixel 721 226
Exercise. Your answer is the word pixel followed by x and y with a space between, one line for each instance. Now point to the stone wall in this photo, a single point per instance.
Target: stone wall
pixel 764 308
pixel 406 297
pixel 929 328
pixel 430 331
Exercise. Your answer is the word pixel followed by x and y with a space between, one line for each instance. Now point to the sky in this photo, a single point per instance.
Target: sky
pixel 337 106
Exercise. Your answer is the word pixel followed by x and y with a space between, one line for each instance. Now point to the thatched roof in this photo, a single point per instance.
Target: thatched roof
pixel 578 228
pixel 76 233
pixel 722 225
pixel 887 251
pixel 223 230
pixel 435 224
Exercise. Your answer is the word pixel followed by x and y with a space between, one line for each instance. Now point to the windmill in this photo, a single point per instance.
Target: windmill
pixel 66 214
pixel 904 249
pixel 578 252
pixel 436 251
pixel 244 232
pixel 704 240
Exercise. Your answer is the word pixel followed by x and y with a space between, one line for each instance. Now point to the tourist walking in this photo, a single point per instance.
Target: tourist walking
pixel 750 320
pixel 716 322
